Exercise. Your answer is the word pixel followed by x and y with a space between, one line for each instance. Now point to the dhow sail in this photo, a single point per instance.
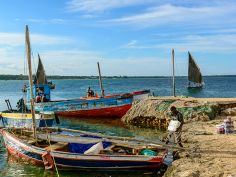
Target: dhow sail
pixel 194 73
pixel 40 77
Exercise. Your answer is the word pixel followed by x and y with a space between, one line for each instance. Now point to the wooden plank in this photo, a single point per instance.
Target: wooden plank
pixel 68 139
pixel 58 145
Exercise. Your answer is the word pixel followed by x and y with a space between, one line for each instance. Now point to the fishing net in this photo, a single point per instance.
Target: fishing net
pixel 154 113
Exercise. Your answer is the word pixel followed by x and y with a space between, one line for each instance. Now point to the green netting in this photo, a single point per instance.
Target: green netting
pixel 209 110
pixel 164 105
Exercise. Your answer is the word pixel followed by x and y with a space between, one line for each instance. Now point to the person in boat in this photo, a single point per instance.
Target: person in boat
pixel 43 98
pixel 21 105
pixel 24 88
pixel 176 115
pixel 90 93
pixel 40 92
pixel 38 98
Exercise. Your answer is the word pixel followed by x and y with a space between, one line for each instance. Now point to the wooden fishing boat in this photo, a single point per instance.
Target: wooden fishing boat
pixel 195 80
pixel 65 149
pixel 102 107
pixel 108 106
pixel 18 119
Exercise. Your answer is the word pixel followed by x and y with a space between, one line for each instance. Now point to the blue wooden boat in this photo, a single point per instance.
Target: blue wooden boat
pixel 65 149
pixel 108 106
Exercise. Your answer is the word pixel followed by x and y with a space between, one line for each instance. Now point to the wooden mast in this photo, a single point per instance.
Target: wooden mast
pixel 28 53
pixel 100 80
pixel 173 70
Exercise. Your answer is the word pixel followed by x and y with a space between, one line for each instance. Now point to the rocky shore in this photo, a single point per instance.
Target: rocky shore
pixel 205 153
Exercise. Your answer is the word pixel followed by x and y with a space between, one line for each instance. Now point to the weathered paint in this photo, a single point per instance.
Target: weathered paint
pixel 21 120
pixel 108 106
pixel 64 160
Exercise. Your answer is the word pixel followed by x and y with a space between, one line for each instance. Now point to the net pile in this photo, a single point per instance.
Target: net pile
pixel 154 113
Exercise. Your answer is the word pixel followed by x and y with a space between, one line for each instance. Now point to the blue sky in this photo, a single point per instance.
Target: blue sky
pixel 128 37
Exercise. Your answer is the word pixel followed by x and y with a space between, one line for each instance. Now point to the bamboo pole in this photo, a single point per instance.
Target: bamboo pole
pixel 173 71
pixel 28 53
pixel 100 80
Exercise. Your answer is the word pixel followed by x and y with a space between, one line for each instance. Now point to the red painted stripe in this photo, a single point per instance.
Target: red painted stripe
pixel 23 157
pixel 117 111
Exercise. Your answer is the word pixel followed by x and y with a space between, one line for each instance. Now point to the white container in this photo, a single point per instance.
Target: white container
pixel 173 125
pixel 95 149
pixel 228 126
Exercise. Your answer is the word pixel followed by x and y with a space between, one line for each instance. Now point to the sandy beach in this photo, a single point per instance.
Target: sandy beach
pixel 209 154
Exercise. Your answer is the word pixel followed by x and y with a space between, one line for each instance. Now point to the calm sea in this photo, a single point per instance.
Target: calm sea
pixel 218 86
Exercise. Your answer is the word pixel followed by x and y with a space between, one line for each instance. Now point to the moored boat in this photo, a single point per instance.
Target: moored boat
pixel 24 119
pixel 102 107
pixel 115 105
pixel 81 151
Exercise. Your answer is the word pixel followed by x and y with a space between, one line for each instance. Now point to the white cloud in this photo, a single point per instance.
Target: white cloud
pixel 169 14
pixel 11 61
pixel 16 39
pixel 200 43
pixel 102 5
pixel 130 44
pixel 49 21
pixel 75 62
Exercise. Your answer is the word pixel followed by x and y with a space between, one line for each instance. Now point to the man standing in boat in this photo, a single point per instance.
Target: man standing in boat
pixel 90 93
pixel 176 131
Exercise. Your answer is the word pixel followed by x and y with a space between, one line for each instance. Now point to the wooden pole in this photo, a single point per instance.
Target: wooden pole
pixel 100 80
pixel 173 69
pixel 28 53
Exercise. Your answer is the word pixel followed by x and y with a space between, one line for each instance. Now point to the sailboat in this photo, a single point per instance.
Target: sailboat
pixel 195 79
pixel 40 77
pixel 56 148
pixel 22 116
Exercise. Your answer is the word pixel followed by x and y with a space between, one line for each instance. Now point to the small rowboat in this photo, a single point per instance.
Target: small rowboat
pixel 79 150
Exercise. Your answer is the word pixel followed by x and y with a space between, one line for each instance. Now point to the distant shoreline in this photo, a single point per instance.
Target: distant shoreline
pixel 56 77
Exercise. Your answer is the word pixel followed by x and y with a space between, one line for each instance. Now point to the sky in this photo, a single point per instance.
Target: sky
pixel 127 37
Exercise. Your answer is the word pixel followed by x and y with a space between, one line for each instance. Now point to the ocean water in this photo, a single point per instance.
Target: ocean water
pixel 215 86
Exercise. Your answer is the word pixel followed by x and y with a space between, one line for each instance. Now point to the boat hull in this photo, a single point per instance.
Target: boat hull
pixel 24 120
pixel 103 107
pixel 76 161
pixel 113 111
pixel 108 106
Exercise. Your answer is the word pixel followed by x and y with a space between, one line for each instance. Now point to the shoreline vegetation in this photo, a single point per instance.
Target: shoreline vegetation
pixel 58 77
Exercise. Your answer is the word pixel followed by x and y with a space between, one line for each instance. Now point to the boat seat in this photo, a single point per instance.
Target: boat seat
pixel 56 146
